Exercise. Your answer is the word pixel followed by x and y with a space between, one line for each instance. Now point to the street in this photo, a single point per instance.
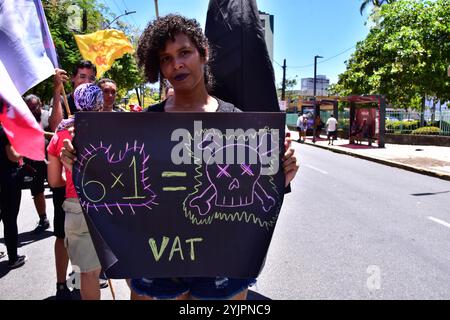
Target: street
pixel 350 229
pixel 348 216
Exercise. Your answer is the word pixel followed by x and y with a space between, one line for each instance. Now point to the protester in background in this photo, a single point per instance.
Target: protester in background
pixel 83 72
pixel 109 89
pixel 40 114
pixel 10 196
pixel 39 168
pixel 87 97
pixel 169 90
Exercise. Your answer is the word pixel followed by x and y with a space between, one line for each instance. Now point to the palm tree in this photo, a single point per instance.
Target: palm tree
pixel 376 3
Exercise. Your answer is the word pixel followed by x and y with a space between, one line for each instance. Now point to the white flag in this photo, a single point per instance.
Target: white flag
pixel 22 43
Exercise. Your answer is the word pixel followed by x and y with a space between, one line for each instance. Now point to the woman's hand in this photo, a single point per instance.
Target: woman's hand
pixel 290 165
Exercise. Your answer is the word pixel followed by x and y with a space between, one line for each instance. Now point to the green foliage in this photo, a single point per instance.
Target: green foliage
pixel 343 124
pixel 376 3
pixel 405 57
pixel 291 83
pixel 427 131
pixel 126 74
pixel 404 125
pixel 64 22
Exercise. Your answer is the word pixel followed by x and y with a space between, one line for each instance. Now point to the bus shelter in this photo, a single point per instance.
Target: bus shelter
pixel 367 118
pixel 366 115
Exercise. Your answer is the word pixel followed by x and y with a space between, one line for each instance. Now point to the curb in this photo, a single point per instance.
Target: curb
pixel 386 162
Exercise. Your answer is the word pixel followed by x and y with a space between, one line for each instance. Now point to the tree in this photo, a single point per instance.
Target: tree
pixel 66 18
pixel 406 58
pixel 375 3
pixel 290 84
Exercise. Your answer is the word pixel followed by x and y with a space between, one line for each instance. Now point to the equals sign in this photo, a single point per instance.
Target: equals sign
pixel 172 174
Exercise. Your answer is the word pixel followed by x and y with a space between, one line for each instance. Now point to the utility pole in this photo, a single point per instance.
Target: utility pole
pixel 283 84
pixel 316 107
pixel 85 20
pixel 161 80
pixel 156 9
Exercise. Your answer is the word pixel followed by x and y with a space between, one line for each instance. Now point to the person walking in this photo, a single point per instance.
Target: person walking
pixel 331 129
pixel 302 126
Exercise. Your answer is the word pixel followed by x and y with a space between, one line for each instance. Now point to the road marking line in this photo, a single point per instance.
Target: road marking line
pixel 440 221
pixel 311 167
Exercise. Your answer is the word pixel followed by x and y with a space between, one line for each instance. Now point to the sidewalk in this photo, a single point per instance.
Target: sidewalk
pixel 429 160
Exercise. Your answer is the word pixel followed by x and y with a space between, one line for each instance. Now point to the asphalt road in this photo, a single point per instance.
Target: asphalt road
pixel 349 220
pixel 351 229
pixel 36 280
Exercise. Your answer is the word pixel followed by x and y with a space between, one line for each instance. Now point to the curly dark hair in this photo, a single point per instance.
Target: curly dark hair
pixel 155 37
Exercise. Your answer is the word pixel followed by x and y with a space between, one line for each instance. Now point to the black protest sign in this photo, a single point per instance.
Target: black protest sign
pixel 180 194
pixel 242 66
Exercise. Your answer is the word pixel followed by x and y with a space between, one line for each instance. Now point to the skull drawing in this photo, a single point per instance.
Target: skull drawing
pixel 233 185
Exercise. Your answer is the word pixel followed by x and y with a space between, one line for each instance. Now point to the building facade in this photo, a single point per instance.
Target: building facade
pixel 267 21
pixel 322 84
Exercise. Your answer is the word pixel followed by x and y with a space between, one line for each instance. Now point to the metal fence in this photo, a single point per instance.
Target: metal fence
pixel 401 121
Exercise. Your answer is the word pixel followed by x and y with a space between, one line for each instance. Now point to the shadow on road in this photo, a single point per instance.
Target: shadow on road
pixel 4 269
pixel 29 237
pixel 357 146
pixel 75 295
pixel 428 193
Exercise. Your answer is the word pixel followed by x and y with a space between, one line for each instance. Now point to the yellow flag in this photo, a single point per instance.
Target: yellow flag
pixel 103 47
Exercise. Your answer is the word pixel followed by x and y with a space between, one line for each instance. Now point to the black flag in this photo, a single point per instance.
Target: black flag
pixel 241 65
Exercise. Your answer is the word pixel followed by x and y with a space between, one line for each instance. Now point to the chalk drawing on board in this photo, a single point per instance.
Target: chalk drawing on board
pixel 235 192
pixel 124 174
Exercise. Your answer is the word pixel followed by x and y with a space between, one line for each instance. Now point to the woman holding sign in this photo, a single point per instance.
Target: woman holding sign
pixel 176 48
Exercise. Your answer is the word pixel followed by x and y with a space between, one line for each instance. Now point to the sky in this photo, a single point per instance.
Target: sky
pixel 302 30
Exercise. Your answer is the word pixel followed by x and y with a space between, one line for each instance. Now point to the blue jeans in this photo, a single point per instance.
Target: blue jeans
pixel 199 288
